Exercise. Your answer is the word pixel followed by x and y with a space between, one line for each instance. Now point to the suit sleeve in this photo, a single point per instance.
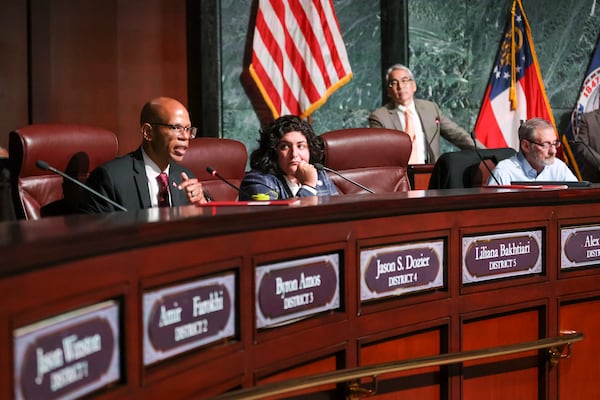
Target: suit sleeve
pixel 590 156
pixel 375 122
pixel 456 135
pixel 179 197
pixel 255 183
pixel 100 181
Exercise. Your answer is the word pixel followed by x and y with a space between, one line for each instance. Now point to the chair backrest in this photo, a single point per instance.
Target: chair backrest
pixel 7 208
pixel 72 149
pixel 481 174
pixel 227 156
pixel 377 158
pixel 464 168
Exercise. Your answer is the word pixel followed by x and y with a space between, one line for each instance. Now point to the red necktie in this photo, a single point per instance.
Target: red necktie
pixel 163 190
pixel 410 129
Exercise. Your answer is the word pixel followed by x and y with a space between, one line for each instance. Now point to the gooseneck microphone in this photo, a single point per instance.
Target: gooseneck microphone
pixel 430 157
pixel 482 160
pixel 214 172
pixel 45 166
pixel 322 167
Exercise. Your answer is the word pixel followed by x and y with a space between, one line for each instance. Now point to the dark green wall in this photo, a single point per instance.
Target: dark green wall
pixel 452 46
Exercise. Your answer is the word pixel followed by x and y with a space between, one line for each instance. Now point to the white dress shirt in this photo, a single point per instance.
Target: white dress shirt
pixel 152 171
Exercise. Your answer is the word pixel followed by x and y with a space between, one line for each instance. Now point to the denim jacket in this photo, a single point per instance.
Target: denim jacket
pixel 275 186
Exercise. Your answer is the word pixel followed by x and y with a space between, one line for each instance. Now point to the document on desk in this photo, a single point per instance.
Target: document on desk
pixel 286 202
pixel 532 187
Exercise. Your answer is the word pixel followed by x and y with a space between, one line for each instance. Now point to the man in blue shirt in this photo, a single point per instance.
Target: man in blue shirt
pixel 536 159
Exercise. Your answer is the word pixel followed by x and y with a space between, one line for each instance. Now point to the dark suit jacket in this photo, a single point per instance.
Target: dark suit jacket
pixel 429 113
pixel 124 181
pixel 587 146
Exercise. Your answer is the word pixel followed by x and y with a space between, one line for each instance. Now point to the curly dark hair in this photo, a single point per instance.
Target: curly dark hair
pixel 264 158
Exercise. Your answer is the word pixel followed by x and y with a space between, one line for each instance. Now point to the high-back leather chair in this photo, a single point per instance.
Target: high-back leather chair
pixel 227 156
pixel 377 158
pixel 465 169
pixel 72 149
pixel 7 208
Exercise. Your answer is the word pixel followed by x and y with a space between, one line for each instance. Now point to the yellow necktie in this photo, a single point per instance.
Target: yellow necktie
pixel 410 129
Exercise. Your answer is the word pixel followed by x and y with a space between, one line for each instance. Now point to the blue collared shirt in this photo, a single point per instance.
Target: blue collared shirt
pixel 517 168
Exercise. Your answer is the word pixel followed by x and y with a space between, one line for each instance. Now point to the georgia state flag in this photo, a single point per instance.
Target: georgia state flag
pixel 515 91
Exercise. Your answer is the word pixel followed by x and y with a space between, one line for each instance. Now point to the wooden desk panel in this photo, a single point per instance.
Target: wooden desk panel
pixel 419 175
pixel 55 265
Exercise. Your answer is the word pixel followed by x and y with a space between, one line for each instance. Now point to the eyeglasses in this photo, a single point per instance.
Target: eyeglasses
pixel 190 130
pixel 546 145
pixel 401 82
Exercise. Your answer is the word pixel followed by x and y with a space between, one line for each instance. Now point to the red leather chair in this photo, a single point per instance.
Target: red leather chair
pixel 72 149
pixel 227 156
pixel 377 158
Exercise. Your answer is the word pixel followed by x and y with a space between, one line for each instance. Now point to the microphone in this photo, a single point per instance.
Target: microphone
pixel 214 172
pixel 322 167
pixel 429 157
pixel 45 166
pixel 481 158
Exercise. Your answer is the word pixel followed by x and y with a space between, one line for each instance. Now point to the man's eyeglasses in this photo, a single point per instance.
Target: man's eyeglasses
pixel 190 130
pixel 397 83
pixel 546 145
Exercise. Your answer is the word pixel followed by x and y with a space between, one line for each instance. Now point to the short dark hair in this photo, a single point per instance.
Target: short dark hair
pixel 264 158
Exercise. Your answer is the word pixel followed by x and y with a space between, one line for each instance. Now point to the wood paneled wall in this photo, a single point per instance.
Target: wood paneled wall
pixel 90 62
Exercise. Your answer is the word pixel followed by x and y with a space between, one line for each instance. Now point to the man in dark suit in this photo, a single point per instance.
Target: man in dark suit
pixel 428 122
pixel 133 180
pixel 587 146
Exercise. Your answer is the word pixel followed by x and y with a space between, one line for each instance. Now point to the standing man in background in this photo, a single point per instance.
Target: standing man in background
pixel 426 122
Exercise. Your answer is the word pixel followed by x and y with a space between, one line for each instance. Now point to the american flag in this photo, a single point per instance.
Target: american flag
pixel 298 55
pixel 515 90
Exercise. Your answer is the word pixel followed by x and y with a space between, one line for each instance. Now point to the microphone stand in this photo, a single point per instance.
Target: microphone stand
pixel 429 158
pixel 482 160
pixel 321 166
pixel 214 172
pixel 45 166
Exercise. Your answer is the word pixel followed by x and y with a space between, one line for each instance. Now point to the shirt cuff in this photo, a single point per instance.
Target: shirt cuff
pixel 310 189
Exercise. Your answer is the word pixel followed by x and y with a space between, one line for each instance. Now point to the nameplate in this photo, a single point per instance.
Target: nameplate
pixel 396 270
pixel 580 246
pixel 186 316
pixel 69 355
pixel 499 256
pixel 291 290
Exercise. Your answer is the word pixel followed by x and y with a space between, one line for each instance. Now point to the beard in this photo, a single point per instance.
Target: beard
pixel 548 160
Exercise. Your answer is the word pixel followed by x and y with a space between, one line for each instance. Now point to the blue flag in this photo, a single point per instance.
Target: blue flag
pixel 589 100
